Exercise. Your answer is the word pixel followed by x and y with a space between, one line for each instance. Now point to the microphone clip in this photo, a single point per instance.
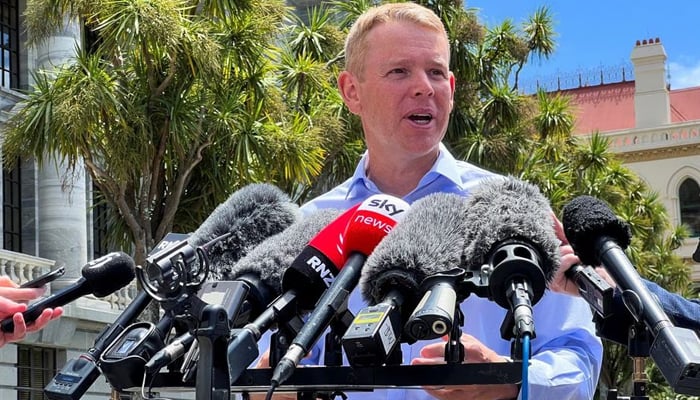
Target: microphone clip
pixel 167 276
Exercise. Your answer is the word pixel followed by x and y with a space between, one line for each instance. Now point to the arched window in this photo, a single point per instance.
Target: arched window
pixel 689 196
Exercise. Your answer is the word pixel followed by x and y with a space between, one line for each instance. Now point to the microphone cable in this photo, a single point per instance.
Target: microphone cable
pixel 149 395
pixel 524 389
pixel 273 385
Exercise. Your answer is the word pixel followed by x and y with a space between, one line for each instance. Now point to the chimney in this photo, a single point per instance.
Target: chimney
pixel 652 105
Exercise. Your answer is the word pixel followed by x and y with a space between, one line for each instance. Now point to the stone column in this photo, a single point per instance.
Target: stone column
pixel 61 203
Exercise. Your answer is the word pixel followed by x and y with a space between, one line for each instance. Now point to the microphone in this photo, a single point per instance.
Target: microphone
pixel 421 246
pixel 261 269
pixel 511 239
pixel 310 265
pixel 100 277
pixel 373 219
pixel 249 216
pixel 599 238
pixel 174 276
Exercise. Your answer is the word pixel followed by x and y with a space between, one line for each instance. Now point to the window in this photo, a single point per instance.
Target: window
pixel 9 59
pixel 36 366
pixel 12 209
pixel 689 197
pixel 100 224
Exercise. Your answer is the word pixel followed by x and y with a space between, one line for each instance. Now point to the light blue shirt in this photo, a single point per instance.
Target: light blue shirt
pixel 566 353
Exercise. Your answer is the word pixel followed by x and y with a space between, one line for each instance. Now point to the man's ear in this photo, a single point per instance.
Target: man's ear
pixel 347 85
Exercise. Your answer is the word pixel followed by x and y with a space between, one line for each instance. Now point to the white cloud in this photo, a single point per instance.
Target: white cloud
pixel 684 75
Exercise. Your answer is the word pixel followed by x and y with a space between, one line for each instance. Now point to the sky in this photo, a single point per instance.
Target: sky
pixel 597 35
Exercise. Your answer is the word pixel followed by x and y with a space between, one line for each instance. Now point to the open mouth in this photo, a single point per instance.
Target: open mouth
pixel 421 118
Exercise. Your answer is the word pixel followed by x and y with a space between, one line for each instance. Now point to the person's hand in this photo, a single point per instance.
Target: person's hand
pixel 14 298
pixel 13 302
pixel 474 352
pixel 560 282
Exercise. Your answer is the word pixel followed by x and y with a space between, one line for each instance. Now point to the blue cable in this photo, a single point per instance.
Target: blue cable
pixel 524 389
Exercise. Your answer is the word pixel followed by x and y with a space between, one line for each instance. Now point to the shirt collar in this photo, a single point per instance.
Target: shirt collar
pixel 445 165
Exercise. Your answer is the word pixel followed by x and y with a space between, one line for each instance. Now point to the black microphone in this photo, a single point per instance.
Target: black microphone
pixel 511 240
pixel 261 269
pixel 371 222
pixel 599 238
pixel 307 251
pixel 249 216
pixel 100 277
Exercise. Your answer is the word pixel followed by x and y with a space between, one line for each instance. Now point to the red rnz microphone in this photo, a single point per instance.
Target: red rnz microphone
pixel 315 268
pixel 368 225
pixel 303 281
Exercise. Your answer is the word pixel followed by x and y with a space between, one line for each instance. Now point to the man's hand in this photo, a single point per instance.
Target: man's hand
pixel 475 352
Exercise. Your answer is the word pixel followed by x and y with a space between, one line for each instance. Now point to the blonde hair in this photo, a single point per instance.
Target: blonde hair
pixel 356 42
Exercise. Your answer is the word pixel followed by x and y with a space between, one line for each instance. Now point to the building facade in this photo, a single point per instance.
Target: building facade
pixel 655 129
pixel 45 226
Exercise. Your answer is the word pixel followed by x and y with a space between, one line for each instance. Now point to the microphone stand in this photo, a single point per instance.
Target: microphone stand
pixel 638 345
pixel 213 382
pixel 333 354
pixel 332 380
pixel 280 340
pixel 638 350
pixel 334 350
pixel 454 349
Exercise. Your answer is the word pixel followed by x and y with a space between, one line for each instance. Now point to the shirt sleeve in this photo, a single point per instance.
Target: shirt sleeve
pixel 684 313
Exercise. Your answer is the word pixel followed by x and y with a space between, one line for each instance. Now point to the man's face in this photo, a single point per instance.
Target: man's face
pixel 405 93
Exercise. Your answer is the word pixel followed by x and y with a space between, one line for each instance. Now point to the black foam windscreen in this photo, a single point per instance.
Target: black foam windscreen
pixel 585 219
pixel 111 273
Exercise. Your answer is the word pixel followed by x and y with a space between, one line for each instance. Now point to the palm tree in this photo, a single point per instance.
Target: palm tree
pixel 175 105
